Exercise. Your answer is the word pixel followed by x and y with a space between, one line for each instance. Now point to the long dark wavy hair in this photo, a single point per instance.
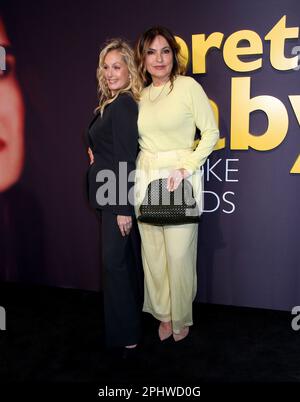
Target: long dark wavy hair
pixel 144 43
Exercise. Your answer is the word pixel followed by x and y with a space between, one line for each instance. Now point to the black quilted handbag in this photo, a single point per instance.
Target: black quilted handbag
pixel 163 207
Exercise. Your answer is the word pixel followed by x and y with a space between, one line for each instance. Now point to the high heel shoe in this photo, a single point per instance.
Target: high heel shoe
pixel 164 333
pixel 129 353
pixel 183 334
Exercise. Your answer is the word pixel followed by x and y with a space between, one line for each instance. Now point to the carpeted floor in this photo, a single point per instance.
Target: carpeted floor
pixel 57 335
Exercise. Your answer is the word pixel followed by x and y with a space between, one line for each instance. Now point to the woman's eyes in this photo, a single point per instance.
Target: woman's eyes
pixel 114 67
pixel 164 51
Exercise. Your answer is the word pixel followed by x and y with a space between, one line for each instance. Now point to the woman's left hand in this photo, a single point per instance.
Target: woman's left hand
pixel 125 224
pixel 175 178
pixel 91 156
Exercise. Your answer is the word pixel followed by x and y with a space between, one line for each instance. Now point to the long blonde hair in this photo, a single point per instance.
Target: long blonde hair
pixel 134 86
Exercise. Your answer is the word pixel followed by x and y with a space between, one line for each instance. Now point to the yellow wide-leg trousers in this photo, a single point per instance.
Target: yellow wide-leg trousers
pixel 169 253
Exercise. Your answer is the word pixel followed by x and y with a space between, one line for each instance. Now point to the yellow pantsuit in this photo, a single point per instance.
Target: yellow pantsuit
pixel 169 253
pixel 166 135
pixel 169 261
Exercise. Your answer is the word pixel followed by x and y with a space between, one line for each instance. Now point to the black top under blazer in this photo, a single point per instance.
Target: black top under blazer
pixel 113 138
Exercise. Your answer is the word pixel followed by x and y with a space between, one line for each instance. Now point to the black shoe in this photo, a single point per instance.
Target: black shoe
pixel 129 353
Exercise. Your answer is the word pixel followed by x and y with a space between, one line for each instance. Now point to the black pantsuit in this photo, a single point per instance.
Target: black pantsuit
pixel 122 304
pixel 113 138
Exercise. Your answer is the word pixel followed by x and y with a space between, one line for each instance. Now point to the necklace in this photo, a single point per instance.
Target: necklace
pixel 157 96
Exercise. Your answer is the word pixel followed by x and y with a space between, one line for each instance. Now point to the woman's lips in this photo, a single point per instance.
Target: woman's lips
pixel 2 144
pixel 159 67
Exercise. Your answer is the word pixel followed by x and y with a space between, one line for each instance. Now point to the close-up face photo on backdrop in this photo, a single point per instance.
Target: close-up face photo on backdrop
pixel 11 116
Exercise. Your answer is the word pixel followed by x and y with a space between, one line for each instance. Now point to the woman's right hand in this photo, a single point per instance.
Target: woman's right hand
pixel 91 155
pixel 125 224
pixel 176 177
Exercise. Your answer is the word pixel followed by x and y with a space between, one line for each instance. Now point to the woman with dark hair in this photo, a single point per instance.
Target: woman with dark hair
pixel 171 108
pixel 113 148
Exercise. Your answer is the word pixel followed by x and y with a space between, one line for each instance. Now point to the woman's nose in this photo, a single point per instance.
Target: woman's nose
pixel 159 57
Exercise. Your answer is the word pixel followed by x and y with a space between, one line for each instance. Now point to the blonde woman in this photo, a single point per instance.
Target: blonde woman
pixel 113 146
pixel 171 108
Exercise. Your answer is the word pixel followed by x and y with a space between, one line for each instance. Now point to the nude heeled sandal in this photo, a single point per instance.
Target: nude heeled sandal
pixel 164 333
pixel 183 334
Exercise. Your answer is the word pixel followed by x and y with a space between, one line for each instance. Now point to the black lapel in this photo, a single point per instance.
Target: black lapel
pixel 94 118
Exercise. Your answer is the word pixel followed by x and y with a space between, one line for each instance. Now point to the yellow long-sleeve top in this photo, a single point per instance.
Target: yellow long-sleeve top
pixel 167 120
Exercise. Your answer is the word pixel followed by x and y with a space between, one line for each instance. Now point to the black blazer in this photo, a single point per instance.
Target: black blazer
pixel 113 138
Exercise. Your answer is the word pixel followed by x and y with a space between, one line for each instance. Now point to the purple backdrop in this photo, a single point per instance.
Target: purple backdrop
pixel 249 257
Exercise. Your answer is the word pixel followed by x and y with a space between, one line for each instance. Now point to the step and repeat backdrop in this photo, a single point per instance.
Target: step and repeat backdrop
pixel 246 57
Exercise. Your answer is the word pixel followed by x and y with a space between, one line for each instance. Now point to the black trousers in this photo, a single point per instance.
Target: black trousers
pixel 121 283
